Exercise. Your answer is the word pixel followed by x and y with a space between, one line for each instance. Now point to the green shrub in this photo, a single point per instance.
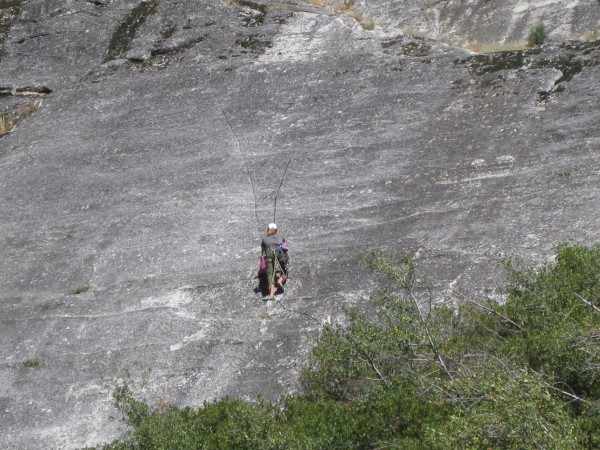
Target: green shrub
pixel 537 36
pixel 368 25
pixel 224 424
pixel 558 306
pixel 31 362
pixel 503 407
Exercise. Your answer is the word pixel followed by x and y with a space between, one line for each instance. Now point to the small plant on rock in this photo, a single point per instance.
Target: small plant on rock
pixel 537 36
pixel 81 289
pixel 347 5
pixel 31 362
pixel 368 25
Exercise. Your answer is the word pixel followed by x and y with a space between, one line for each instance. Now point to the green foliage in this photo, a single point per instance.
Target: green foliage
pixel 31 362
pixel 224 424
pixel 80 290
pixel 368 25
pixel 559 307
pixel 590 424
pixel 401 374
pixel 502 408
pixel 537 36
pixel 135 410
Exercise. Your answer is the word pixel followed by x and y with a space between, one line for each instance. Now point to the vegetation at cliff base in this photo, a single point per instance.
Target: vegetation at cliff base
pixel 521 373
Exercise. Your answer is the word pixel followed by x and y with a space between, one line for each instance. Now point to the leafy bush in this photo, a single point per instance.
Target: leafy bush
pixel 402 374
pixel 504 407
pixel 31 362
pixel 559 308
pixel 227 423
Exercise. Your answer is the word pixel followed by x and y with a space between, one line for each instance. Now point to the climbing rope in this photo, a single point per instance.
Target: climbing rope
pixel 239 147
pixel 287 165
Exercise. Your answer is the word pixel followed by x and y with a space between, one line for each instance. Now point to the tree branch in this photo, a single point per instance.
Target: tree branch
pixel 374 367
pixel 587 302
pixel 493 311
pixel 368 357
pixel 565 393
pixel 428 333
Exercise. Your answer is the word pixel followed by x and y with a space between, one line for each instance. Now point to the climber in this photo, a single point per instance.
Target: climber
pixel 274 247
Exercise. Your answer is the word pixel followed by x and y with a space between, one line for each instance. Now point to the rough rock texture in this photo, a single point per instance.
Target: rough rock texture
pixel 133 195
pixel 486 23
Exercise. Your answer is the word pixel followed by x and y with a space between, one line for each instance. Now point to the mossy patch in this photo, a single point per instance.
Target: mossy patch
pixel 31 362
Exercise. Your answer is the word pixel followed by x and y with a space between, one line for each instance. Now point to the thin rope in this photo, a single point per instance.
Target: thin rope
pixel 279 187
pixel 295 311
pixel 239 147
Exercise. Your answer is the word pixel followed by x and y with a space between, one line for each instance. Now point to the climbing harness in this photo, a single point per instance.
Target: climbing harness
pixel 277 265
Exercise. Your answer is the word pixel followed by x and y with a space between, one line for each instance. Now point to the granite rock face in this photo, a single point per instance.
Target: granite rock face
pixel 165 135
pixel 486 24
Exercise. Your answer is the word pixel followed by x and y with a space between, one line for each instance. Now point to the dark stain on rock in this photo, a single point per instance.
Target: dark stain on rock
pixel 125 33
pixel 253 14
pixel 567 65
pixel 281 20
pixel 576 58
pixel 251 18
pixel 569 58
pixel 33 90
pixel 416 49
pixel 252 5
pixel 253 44
pixel 582 48
pixel 493 62
pixel 390 43
pixel 412 47
pixel 164 49
pixel 5 4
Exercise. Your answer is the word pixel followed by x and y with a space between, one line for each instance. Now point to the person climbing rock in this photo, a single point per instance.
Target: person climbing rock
pixel 274 248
